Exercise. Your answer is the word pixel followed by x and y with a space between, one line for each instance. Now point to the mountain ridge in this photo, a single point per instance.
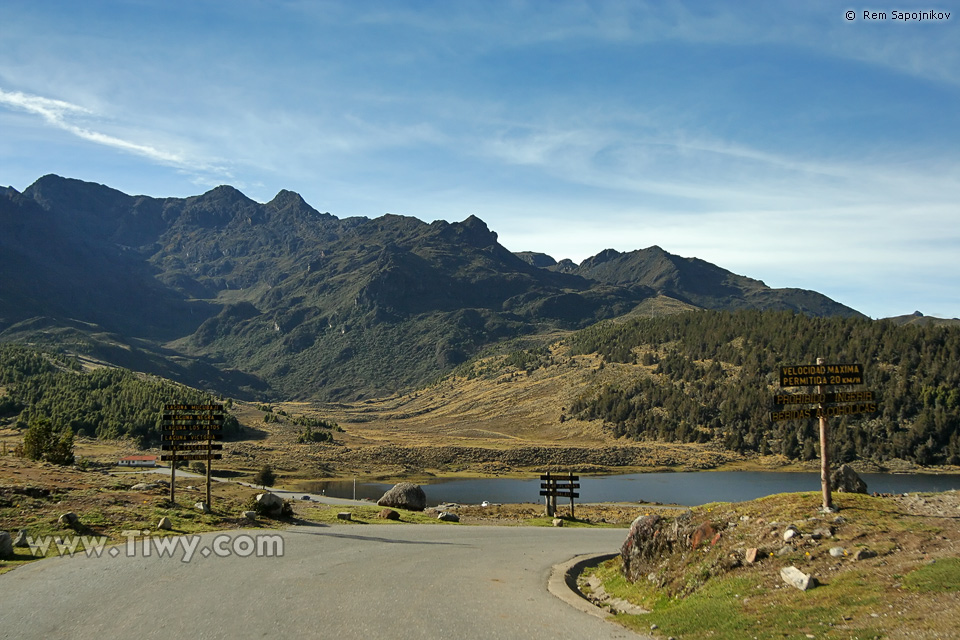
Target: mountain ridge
pixel 302 304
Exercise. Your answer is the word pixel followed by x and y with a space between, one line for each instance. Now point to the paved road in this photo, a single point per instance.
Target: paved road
pixel 341 581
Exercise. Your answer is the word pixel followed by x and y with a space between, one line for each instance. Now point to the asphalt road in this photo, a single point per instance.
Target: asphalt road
pixel 341 581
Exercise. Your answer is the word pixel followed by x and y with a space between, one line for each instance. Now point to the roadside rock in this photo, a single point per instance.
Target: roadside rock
pixel 388 514
pixel 69 519
pixel 165 524
pixel 557 522
pixel 269 504
pixel 845 480
pixel 250 515
pixel 796 578
pixel 344 515
pixel 404 495
pixel 651 538
pixel 446 516
pixel 6 545
pixel 21 539
pixel 202 507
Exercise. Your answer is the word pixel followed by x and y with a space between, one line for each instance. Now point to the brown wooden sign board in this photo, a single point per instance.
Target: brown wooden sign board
pixel 787 399
pixel 190 437
pixel 193 407
pixel 191 456
pixel 811 375
pixel 199 428
pixel 191 446
pixel 825 412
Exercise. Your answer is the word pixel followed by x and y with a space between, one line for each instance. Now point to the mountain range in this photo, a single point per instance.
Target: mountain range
pixel 271 300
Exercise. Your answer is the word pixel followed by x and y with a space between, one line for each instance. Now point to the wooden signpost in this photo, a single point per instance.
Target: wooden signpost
pixel 554 486
pixel 839 403
pixel 188 433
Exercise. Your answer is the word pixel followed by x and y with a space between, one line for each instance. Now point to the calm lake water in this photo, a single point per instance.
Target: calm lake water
pixel 685 488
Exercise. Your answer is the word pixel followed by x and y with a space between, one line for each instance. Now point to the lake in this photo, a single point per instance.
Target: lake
pixel 684 488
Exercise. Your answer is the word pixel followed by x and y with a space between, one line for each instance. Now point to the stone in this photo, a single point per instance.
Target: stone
pixel 344 515
pixel 269 504
pixel 785 550
pixel 752 555
pixel 557 522
pixel 388 514
pixel 69 519
pixel 650 539
pixel 202 507
pixel 796 578
pixel 838 552
pixel 704 532
pixel 21 539
pixel 790 534
pixel 250 515
pixel 845 480
pixel 864 554
pixel 6 545
pixel 404 495
pixel 165 524
pixel 146 486
pixel 822 532
pixel 446 516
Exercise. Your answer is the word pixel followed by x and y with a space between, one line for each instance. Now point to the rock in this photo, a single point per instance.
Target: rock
pixel 202 507
pixel 21 539
pixel 404 495
pixel 69 519
pixel 704 532
pixel 845 480
pixel 752 555
pixel 269 504
pixel 785 550
pixel 446 516
pixel 557 522
pixel 822 532
pixel 146 486
pixel 838 552
pixel 650 539
pixel 250 515
pixel 790 534
pixel 344 515
pixel 388 514
pixel 6 545
pixel 864 554
pixel 165 524
pixel 796 578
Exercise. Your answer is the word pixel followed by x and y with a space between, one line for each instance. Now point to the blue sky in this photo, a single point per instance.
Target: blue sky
pixel 781 141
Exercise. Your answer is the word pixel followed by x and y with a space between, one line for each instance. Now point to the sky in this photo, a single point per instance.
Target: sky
pixel 783 141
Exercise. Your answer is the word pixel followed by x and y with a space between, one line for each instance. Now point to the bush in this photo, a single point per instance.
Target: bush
pixel 265 477
pixel 43 442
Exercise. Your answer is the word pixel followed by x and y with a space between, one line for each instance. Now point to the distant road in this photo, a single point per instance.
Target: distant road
pixel 341 581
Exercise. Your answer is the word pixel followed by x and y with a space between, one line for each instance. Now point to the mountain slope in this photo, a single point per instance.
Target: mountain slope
pixel 287 301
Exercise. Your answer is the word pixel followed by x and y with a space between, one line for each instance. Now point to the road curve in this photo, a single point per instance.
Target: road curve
pixel 341 581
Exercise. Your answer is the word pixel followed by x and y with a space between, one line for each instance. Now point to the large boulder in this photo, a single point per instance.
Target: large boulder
pixel 405 495
pixel 650 539
pixel 845 480
pixel 6 545
pixel 269 504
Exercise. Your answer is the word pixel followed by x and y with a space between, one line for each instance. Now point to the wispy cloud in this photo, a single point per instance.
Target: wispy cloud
pixel 67 117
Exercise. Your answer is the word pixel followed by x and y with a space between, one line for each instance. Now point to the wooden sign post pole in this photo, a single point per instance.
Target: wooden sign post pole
pixel 824 450
pixel 173 476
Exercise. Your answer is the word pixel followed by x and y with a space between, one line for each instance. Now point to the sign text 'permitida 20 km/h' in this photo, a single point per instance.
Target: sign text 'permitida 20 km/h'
pixel 188 433
pixel 827 404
